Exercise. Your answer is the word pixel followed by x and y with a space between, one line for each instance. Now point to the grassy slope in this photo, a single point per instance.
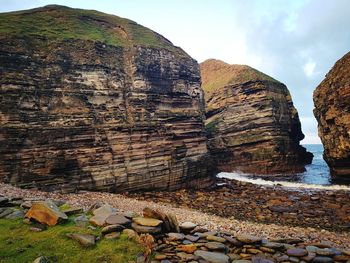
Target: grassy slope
pixel 217 74
pixel 19 244
pixel 59 22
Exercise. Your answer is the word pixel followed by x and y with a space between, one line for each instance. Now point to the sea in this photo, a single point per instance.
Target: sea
pixel 316 176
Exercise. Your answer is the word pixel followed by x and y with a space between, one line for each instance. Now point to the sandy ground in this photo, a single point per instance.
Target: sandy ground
pixel 270 231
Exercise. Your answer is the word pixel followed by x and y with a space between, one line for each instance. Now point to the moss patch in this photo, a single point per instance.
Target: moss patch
pixel 59 22
pixel 19 244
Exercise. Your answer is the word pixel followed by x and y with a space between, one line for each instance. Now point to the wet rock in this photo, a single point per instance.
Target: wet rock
pixel 212 257
pixel 83 239
pixel 325 252
pixel 143 221
pixel 46 212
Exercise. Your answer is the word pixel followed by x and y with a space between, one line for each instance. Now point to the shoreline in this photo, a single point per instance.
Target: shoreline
pixel 207 220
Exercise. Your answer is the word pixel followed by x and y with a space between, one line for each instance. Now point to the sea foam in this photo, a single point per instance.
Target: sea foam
pixel 239 176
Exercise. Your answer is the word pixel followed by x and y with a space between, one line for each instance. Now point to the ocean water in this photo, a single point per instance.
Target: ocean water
pixel 316 176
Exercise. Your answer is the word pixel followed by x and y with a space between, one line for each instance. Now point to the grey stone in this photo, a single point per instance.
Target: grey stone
pixel 17 214
pixel 146 229
pixel 83 239
pixel 297 252
pixel 212 257
pixel 215 246
pixel 117 220
pixel 319 259
pixel 112 228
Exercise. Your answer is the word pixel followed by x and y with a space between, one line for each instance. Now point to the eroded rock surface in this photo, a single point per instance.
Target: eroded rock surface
pixel 102 104
pixel 251 123
pixel 332 111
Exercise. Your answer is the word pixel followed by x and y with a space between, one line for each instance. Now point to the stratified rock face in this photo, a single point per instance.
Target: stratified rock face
pixel 251 123
pixel 94 101
pixel 332 111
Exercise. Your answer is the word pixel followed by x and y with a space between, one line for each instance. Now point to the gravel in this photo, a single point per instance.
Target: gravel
pixel 270 231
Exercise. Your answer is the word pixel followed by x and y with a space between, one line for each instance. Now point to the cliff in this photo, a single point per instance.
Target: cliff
pixel 332 111
pixel 97 102
pixel 251 123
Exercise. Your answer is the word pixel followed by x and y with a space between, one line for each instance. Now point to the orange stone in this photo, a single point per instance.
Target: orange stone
pixel 45 213
pixel 187 248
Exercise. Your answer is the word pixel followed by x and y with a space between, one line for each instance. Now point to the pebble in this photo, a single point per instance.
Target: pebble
pixel 187 226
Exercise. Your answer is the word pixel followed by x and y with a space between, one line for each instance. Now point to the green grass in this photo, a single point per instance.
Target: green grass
pixel 19 244
pixel 217 74
pixel 59 22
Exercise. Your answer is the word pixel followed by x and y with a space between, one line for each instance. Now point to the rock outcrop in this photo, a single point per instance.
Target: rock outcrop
pixel 251 123
pixel 332 111
pixel 93 101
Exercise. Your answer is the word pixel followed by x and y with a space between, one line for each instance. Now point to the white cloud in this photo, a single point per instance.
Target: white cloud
pixel 309 68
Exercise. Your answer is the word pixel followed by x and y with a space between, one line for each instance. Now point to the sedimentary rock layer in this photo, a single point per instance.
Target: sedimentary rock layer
pixel 251 123
pixel 332 111
pixel 115 107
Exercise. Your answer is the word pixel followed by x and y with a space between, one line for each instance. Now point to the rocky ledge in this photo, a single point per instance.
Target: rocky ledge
pixel 251 123
pixel 97 102
pixel 164 239
pixel 332 111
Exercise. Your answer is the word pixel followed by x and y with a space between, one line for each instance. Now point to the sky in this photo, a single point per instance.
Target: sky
pixel 294 41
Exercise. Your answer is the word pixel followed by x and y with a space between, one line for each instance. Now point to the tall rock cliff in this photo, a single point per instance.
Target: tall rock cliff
pixel 95 101
pixel 332 111
pixel 251 123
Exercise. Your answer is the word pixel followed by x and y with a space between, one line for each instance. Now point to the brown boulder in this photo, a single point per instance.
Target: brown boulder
pixel 45 212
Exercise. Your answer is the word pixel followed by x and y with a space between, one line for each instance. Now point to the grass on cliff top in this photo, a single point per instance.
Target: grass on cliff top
pixel 217 74
pixel 59 22
pixel 19 244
